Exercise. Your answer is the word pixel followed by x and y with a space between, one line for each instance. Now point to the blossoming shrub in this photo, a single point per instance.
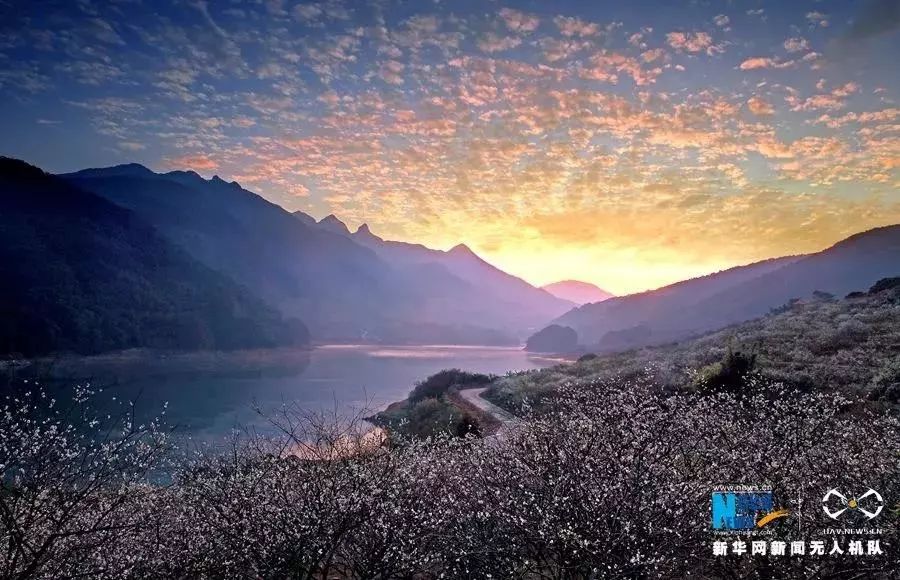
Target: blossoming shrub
pixel 609 479
pixel 818 345
pixel 74 494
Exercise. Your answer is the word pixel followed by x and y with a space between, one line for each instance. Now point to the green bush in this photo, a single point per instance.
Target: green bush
pixel 886 384
pixel 727 376
pixel 468 427
pixel 430 417
pixel 439 383
pixel 885 284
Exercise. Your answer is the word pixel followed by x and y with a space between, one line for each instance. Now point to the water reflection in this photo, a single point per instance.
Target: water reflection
pixel 209 394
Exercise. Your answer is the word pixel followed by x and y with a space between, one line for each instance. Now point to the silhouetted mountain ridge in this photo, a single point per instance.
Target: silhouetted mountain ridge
pixel 504 299
pixel 495 298
pixel 125 169
pixel 338 287
pixel 333 224
pixel 341 284
pixel 84 275
pixel 702 304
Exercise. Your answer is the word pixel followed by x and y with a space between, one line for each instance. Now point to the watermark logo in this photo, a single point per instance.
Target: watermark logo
pixel 739 513
pixel 743 509
pixel 869 504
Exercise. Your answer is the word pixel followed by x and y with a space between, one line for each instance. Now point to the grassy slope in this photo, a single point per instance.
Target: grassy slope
pixel 851 344
pixel 434 407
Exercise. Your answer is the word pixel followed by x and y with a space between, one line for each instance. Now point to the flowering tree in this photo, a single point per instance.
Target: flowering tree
pixel 73 485
pixel 609 479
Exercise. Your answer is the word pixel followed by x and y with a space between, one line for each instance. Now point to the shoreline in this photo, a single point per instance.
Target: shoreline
pixel 139 354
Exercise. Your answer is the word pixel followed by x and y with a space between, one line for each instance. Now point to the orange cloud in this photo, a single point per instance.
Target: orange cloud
pixel 764 62
pixel 569 26
pixel 607 66
pixel 692 42
pixel 508 122
pixel 759 106
pixel 495 43
pixel 518 21
pixel 196 162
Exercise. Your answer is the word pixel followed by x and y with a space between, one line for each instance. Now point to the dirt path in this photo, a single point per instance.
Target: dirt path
pixel 505 418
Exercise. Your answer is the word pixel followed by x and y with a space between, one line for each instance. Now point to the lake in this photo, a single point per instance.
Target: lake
pixel 209 394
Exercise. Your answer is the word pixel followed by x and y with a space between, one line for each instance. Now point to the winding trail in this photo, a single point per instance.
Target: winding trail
pixel 507 420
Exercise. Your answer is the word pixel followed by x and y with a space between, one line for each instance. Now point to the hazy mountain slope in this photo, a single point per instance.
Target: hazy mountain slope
pixel 735 295
pixel 334 225
pixel 81 274
pixel 463 262
pixel 342 289
pixel 635 314
pixel 854 263
pixel 292 266
pixel 577 291
pixel 496 298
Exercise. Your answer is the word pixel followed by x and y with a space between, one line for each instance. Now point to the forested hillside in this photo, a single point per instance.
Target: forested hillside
pixel 83 275
pixel 343 289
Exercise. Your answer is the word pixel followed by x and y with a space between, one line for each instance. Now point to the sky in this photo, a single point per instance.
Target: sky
pixel 627 144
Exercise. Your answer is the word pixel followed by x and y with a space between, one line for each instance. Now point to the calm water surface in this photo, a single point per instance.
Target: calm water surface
pixel 209 394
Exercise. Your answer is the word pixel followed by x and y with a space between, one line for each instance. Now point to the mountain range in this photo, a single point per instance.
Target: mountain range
pixel 710 302
pixel 84 275
pixel 346 288
pixel 121 257
pixel 495 297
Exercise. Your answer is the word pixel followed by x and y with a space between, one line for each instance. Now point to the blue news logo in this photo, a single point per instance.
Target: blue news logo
pixel 743 510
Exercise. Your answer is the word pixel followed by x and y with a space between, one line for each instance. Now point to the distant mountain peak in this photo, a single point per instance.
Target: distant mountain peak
pixel 575 284
pixel 461 250
pixel 331 218
pixel 221 182
pixel 333 224
pixel 577 291
pixel 365 233
pixel 184 173
pixel 123 170
pixel 132 167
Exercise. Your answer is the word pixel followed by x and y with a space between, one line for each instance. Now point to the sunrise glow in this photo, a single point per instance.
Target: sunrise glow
pixel 625 144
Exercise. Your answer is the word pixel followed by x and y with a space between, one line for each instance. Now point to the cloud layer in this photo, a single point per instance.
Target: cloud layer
pixel 630 153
